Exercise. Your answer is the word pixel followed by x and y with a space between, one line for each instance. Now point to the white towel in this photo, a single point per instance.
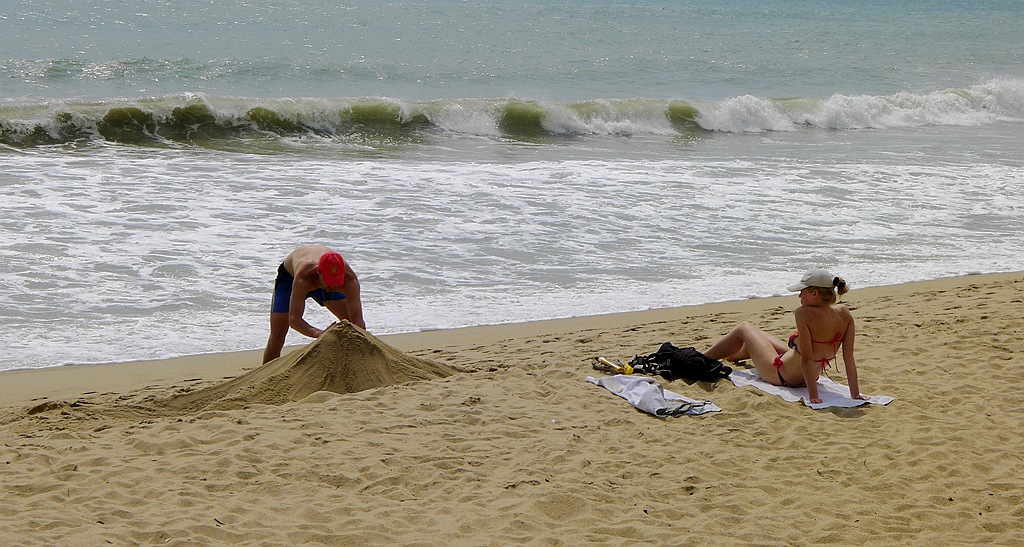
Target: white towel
pixel 648 395
pixel 832 393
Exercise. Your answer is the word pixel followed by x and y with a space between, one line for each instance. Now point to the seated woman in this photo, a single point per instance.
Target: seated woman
pixel 822 327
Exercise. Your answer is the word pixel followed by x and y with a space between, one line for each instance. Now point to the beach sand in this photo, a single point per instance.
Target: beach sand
pixel 492 436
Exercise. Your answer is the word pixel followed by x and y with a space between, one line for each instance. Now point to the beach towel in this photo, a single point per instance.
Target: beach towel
pixel 832 393
pixel 648 395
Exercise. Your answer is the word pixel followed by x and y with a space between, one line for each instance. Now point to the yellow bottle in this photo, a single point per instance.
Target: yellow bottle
pixel 608 366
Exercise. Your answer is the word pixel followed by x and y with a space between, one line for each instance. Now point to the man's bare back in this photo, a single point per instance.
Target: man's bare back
pixel 302 262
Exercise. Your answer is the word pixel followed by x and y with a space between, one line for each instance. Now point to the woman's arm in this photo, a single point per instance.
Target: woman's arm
pixel 848 359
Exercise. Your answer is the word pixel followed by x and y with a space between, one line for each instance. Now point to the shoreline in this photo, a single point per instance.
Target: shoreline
pixel 69 381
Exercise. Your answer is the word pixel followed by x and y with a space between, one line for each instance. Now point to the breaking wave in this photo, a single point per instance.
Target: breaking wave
pixel 215 121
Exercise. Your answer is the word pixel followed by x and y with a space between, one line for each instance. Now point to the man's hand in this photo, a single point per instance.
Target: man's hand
pixel 325 330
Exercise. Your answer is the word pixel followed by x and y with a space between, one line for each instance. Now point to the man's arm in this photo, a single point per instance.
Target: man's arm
pixel 297 306
pixel 351 308
pixel 354 305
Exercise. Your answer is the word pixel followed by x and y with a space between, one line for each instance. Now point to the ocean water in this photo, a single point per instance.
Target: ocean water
pixel 487 162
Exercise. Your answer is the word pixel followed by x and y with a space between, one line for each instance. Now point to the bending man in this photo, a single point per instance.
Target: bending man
pixel 317 272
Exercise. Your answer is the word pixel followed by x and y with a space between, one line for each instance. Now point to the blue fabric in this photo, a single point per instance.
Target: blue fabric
pixel 281 302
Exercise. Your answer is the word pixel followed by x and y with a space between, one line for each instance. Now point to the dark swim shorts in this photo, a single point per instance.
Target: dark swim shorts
pixel 283 292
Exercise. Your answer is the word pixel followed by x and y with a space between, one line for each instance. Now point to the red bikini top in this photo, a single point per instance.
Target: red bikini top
pixel 834 342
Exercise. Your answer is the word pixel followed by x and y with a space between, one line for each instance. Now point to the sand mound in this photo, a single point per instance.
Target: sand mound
pixel 346 359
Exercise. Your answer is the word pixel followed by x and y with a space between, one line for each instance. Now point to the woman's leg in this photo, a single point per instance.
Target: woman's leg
pixel 780 346
pixel 745 341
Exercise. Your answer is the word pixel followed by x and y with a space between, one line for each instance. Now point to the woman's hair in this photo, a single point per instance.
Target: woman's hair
pixel 828 294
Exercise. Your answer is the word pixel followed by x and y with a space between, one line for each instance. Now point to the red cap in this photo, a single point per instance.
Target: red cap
pixel 332 269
